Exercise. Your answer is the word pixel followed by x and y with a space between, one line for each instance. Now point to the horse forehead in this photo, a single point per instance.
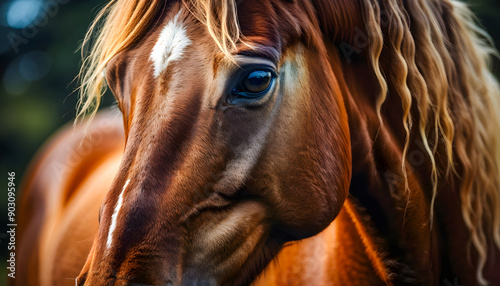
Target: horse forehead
pixel 263 23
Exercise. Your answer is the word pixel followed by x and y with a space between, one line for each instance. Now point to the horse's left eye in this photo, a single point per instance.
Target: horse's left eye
pixel 253 85
pixel 257 81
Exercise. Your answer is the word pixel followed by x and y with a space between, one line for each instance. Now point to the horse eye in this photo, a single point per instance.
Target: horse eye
pixel 252 86
pixel 257 81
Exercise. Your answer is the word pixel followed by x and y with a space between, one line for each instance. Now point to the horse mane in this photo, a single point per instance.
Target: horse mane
pixel 439 68
pixel 440 64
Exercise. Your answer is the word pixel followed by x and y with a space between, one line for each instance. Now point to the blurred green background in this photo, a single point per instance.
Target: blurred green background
pixel 38 64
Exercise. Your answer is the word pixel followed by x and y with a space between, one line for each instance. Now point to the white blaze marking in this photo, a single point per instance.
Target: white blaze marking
pixel 115 216
pixel 170 45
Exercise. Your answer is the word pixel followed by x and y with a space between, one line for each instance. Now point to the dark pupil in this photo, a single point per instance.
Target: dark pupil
pixel 257 81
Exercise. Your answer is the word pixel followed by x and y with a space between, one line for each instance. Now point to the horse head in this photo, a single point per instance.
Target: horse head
pixel 232 148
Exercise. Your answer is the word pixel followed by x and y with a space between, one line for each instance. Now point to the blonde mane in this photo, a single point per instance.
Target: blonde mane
pixel 441 66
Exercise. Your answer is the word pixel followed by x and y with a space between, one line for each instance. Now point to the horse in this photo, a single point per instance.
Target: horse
pixel 280 142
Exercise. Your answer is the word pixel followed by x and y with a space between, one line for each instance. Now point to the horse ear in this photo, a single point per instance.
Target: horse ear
pixel 116 78
pixel 116 73
pixel 339 19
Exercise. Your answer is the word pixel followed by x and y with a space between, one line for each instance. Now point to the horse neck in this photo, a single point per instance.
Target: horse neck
pixel 393 224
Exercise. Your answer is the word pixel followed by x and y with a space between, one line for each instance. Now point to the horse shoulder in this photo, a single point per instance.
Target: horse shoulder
pixel 69 175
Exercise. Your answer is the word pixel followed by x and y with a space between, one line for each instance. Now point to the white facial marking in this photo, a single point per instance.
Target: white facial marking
pixel 170 45
pixel 115 216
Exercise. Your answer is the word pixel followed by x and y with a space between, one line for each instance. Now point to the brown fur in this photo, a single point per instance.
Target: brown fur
pixel 338 144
